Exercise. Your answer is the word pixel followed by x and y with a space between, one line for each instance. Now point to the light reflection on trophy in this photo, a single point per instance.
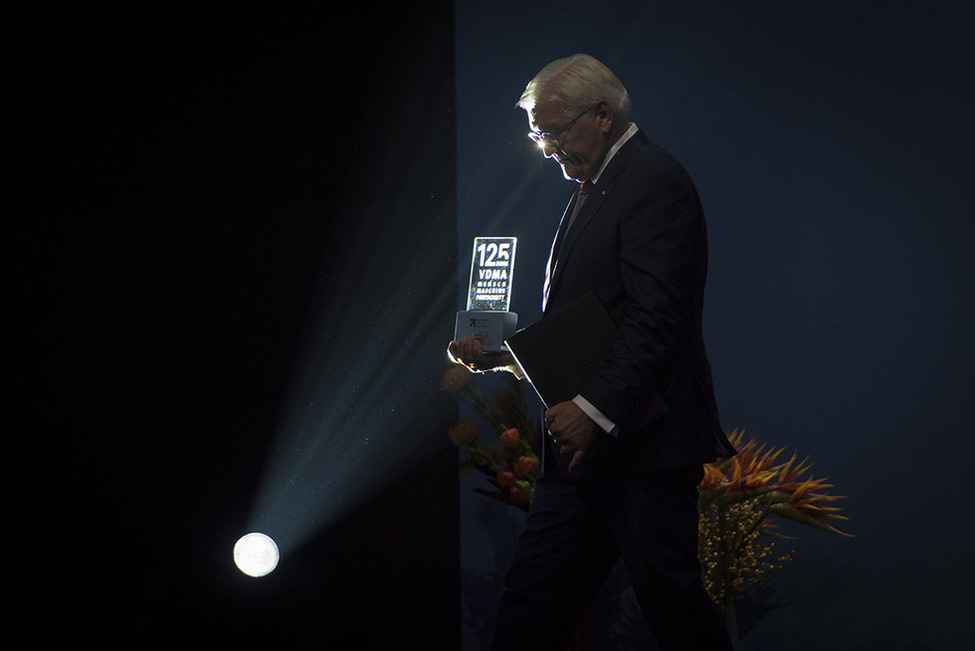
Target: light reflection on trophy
pixel 489 294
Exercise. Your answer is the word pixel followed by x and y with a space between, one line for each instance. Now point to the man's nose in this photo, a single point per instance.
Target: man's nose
pixel 548 150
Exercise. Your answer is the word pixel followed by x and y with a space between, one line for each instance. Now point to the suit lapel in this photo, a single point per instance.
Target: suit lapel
pixel 553 251
pixel 590 209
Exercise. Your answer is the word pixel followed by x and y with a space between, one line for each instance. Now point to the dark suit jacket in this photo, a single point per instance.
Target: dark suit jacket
pixel 640 242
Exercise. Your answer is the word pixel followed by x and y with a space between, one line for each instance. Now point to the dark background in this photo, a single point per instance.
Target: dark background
pixel 185 188
pixel 187 184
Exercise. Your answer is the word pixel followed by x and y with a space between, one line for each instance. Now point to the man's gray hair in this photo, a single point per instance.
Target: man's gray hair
pixel 576 83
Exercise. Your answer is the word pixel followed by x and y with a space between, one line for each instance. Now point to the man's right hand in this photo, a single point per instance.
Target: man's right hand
pixel 469 352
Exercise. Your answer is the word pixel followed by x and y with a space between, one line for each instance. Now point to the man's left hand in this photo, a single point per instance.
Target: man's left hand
pixel 572 429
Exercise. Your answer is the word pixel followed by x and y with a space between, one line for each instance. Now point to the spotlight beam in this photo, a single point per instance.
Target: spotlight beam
pixel 371 361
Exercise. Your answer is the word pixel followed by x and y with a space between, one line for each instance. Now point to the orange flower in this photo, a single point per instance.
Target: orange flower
pixel 510 437
pixel 518 497
pixel 525 466
pixel 456 379
pixel 463 433
pixel 713 477
pixel 506 480
pixel 753 474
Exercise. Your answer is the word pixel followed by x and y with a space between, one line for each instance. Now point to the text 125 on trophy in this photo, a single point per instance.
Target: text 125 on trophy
pixel 489 293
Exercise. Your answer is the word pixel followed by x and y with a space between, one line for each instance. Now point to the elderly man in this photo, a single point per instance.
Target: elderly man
pixel 624 457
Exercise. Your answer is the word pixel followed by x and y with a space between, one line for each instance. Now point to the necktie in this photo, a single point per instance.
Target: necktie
pixel 584 192
pixel 567 219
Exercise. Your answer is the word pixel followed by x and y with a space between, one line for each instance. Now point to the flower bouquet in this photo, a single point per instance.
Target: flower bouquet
pixel 737 498
pixel 511 461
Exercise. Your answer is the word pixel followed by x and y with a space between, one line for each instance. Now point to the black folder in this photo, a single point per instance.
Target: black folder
pixel 560 351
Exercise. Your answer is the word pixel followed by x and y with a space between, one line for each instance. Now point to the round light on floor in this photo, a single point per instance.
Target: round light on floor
pixel 256 554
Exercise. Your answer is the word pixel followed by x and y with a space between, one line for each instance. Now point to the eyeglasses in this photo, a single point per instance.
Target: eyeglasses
pixel 552 139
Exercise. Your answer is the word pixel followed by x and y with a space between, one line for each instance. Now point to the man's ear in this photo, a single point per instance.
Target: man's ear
pixel 605 116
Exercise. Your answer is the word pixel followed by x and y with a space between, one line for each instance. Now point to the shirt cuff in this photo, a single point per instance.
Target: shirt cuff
pixel 597 416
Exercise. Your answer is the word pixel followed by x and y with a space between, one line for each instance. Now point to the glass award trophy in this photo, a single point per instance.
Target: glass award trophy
pixel 489 294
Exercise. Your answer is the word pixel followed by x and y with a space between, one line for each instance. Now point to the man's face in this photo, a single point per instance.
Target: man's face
pixel 581 142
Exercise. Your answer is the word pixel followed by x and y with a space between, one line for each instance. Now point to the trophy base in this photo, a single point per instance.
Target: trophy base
pixel 491 328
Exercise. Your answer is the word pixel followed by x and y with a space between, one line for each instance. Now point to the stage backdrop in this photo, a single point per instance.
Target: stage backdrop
pixel 831 147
